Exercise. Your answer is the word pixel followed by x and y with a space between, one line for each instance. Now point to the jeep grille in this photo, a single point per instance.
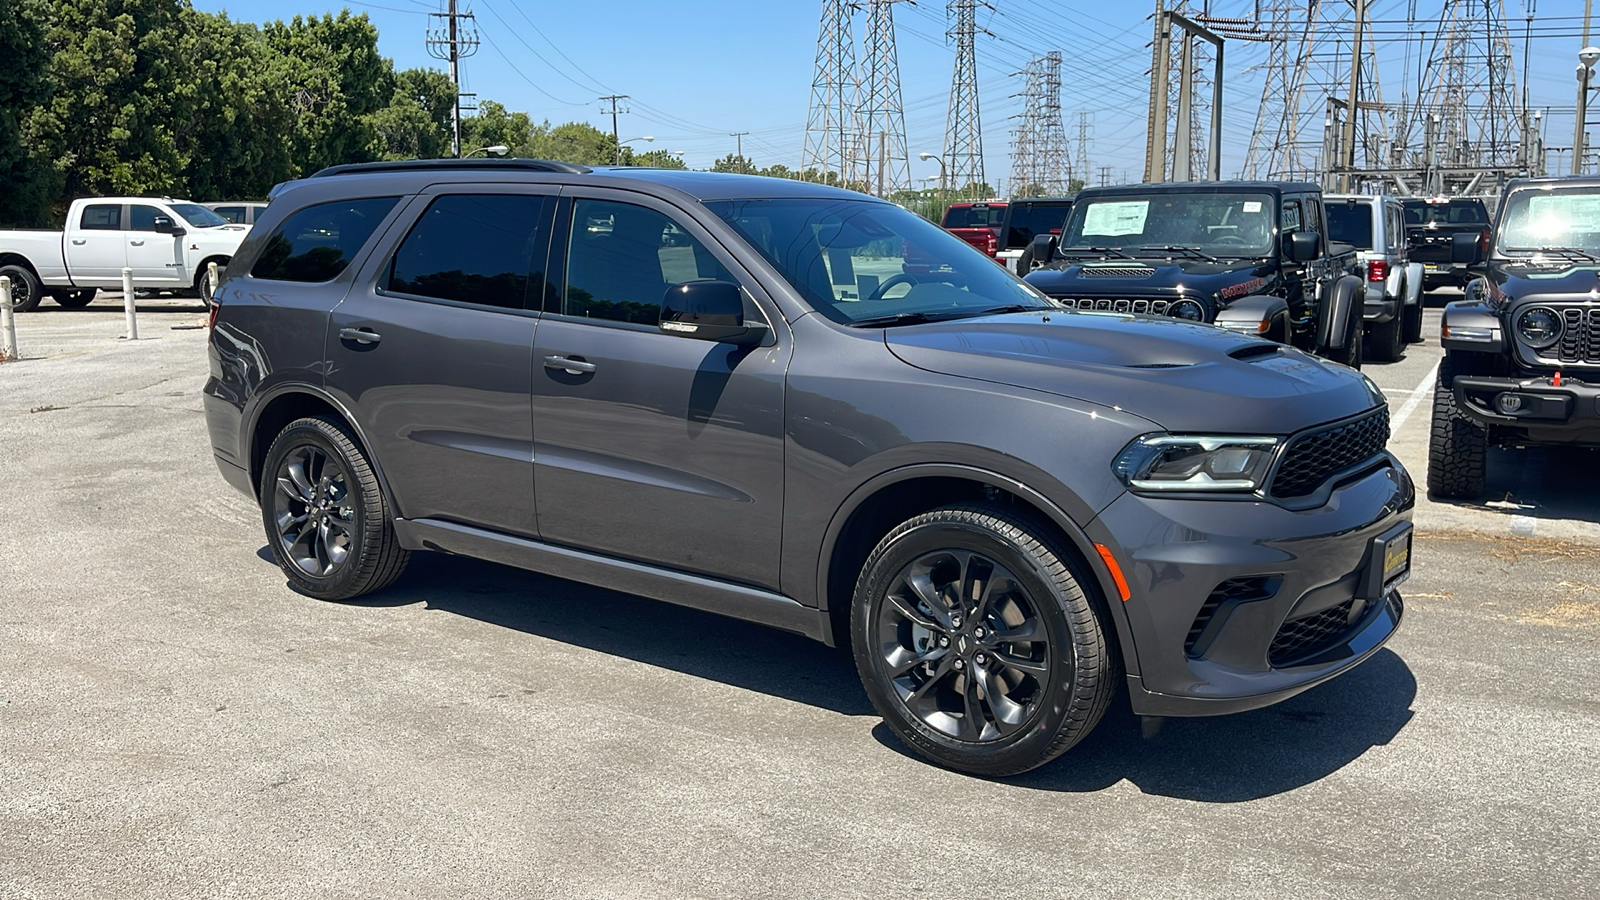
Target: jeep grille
pixel 1152 306
pixel 1313 456
pixel 1580 338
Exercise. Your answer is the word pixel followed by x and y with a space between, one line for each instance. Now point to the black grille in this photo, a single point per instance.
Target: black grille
pixel 1313 456
pixel 1152 307
pixel 1304 636
pixel 1580 339
pixel 1234 590
pixel 1116 272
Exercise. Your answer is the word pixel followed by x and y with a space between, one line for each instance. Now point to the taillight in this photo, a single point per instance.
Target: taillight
pixel 991 245
pixel 216 307
pixel 1377 269
pixel 1483 244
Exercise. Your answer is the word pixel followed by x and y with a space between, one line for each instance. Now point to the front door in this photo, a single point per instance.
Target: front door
pixel 650 446
pixel 154 256
pixel 433 349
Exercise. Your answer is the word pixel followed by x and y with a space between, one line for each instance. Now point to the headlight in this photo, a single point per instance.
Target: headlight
pixel 1172 462
pixel 1540 327
pixel 1187 309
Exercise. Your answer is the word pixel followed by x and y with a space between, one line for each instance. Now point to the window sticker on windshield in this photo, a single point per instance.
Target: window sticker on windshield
pixel 1114 219
pixel 1252 206
pixel 1560 214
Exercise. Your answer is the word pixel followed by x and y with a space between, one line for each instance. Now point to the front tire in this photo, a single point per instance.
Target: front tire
pixel 980 640
pixel 1458 448
pixel 74 299
pixel 26 292
pixel 328 524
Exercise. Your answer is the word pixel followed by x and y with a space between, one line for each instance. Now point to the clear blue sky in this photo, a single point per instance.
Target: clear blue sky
pixel 699 69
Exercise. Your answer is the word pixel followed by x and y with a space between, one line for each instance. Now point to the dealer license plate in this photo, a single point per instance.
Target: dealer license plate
pixel 1397 560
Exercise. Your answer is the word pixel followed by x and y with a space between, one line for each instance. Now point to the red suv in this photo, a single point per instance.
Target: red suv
pixel 977 223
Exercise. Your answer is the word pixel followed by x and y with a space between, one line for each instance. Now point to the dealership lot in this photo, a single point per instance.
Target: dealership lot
pixel 175 722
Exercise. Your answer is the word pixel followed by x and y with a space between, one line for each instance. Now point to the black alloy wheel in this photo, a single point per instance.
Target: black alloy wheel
pixel 328 524
pixel 981 640
pixel 26 292
pixel 74 299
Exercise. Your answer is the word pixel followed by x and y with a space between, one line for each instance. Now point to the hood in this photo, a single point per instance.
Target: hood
pixel 1182 376
pixel 1144 277
pixel 1518 280
pixel 227 237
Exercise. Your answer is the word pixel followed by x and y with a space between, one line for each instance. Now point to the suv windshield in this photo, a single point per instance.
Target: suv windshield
pixel 974 215
pixel 198 215
pixel 1217 224
pixel 860 260
pixel 1539 219
pixel 1032 218
pixel 1453 212
pixel 1350 222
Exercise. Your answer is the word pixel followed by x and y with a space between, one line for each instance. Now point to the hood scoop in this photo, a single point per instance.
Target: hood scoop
pixel 1253 352
pixel 1116 271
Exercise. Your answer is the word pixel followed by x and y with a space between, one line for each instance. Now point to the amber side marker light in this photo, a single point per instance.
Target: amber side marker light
pixel 1116 571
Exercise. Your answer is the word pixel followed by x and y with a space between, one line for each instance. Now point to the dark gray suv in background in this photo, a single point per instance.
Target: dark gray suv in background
pixel 812 409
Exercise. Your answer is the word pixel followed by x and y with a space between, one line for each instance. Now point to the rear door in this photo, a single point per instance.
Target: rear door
pixel 155 257
pixel 97 245
pixel 433 349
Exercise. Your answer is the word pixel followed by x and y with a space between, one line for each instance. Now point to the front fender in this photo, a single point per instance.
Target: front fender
pixel 1252 314
pixel 1471 325
pixel 1413 284
pixel 1339 303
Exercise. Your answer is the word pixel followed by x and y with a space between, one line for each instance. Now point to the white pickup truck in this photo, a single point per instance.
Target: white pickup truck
pixel 168 244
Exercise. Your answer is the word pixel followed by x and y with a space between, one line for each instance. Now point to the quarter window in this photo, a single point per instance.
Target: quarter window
pixel 318 242
pixel 475 248
pixel 622 258
pixel 101 217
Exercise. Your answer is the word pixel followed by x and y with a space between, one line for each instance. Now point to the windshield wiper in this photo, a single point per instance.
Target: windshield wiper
pixel 1175 248
pixel 917 318
pixel 1569 252
pixel 1112 250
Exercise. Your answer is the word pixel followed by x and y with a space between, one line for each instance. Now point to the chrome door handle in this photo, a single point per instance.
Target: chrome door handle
pixel 137 243
pixel 569 365
pixel 79 242
pixel 359 335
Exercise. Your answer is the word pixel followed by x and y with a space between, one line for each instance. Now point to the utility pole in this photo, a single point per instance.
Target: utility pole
pixel 1080 168
pixel 834 91
pixel 616 136
pixel 739 137
pixel 453 36
pixel 963 133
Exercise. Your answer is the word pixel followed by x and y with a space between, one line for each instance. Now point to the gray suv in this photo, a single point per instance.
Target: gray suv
pixel 814 410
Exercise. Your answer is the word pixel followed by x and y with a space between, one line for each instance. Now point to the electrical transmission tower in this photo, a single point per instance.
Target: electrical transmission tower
pixel 963 132
pixel 881 164
pixel 453 36
pixel 1039 161
pixel 1301 123
pixel 1080 168
pixel 1467 113
pixel 829 137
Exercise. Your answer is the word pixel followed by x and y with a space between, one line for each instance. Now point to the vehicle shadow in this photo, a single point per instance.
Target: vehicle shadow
pixel 1543 482
pixel 1245 756
pixel 741 654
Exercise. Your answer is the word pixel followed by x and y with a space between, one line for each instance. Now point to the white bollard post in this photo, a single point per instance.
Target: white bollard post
pixel 128 309
pixel 8 322
pixel 211 270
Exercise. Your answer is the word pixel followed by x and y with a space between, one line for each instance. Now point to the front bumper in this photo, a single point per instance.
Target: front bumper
pixel 1568 413
pixel 1240 604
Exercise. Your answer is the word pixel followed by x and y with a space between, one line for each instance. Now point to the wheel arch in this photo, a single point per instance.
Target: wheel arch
pixel 881 503
pixel 1341 307
pixel 17 259
pixel 221 259
pixel 285 403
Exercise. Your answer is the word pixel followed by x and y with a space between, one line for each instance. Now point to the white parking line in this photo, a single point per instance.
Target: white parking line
pixel 1417 393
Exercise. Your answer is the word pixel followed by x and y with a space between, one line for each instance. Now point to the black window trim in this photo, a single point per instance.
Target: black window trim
pixel 422 200
pixel 560 240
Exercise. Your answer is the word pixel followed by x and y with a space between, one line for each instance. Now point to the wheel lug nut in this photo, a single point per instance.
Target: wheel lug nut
pixel 955 621
pixel 960 665
pixel 980 659
pixel 979 633
pixel 944 640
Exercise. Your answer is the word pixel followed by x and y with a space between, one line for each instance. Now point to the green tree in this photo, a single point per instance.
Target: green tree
pixel 416 123
pixel 733 163
pixel 494 124
pixel 229 116
pixel 575 142
pixel 657 159
pixel 333 79
pixel 24 200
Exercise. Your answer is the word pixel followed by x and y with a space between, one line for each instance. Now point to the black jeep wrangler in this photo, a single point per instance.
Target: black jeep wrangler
pixel 1522 350
pixel 1250 256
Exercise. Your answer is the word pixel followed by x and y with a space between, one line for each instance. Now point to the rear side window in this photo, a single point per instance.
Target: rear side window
pixel 102 217
pixel 234 214
pixel 475 248
pixel 1350 223
pixel 318 242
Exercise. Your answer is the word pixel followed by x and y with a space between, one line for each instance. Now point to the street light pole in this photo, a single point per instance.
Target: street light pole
pixel 925 156
pixel 1587 57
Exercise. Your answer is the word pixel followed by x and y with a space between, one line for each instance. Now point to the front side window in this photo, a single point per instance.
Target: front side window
pixel 1291 218
pixel 1548 219
pixel 474 248
pixel 318 242
pixel 622 258
pixel 1210 222
pixel 1350 222
pixel 870 263
pixel 142 218
pixel 101 217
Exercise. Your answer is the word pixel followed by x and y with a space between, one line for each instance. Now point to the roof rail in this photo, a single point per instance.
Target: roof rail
pixel 413 165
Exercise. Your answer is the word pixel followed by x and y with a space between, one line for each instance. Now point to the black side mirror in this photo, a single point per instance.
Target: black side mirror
pixel 1302 246
pixel 1042 249
pixel 165 225
pixel 1464 248
pixel 707 311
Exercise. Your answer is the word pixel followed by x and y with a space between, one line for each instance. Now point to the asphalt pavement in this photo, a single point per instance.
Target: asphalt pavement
pixel 175 722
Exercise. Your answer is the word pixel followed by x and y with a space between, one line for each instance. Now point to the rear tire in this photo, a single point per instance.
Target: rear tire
pixel 74 299
pixel 1458 448
pixel 1413 318
pixel 981 640
pixel 1386 339
pixel 26 292
pixel 328 523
